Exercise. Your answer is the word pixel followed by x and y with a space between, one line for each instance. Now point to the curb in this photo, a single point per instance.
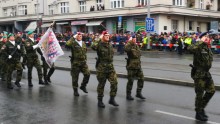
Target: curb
pixel 151 79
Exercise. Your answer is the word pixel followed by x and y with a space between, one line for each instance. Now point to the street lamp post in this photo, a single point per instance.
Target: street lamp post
pixel 38 28
pixel 148 16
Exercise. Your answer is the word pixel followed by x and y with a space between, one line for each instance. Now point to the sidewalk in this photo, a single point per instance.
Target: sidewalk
pixel 158 66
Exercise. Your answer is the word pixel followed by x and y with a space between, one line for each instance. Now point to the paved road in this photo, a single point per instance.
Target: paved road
pixel 55 104
pixel 166 65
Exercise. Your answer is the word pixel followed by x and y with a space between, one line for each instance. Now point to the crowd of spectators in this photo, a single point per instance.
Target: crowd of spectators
pixel 165 39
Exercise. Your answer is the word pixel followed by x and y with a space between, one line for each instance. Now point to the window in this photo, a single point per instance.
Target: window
pixel 5 12
pixel 117 3
pixel 22 10
pixel 201 4
pixel 13 12
pixel 99 2
pixel 64 7
pixel 51 10
pixel 142 2
pixel 191 26
pixel 179 2
pixel 174 25
pixel 82 6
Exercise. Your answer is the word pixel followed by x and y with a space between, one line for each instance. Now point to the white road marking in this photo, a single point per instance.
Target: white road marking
pixel 182 116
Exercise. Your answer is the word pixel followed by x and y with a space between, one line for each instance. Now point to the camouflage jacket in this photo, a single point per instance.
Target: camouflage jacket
pixel 78 52
pixel 134 55
pixel 2 47
pixel 30 52
pixel 202 59
pixel 104 50
pixel 9 48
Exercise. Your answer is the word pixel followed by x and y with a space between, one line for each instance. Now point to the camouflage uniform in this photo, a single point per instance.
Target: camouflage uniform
pixel 134 67
pixel 105 68
pixel 204 85
pixel 13 63
pixel 3 65
pixel 33 61
pixel 78 64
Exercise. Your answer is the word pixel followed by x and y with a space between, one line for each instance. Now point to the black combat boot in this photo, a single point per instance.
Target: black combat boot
pixel 100 103
pixel 30 83
pixel 112 101
pixel 139 95
pixel 200 116
pixel 17 84
pixel 41 82
pixel 204 114
pixel 129 97
pixel 9 86
pixel 51 71
pixel 83 88
pixel 45 81
pixel 76 92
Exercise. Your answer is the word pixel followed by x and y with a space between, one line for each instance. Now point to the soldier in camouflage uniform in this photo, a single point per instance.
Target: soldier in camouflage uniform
pixel 134 68
pixel 13 51
pixel 204 85
pixel 78 63
pixel 105 68
pixel 32 59
pixel 3 69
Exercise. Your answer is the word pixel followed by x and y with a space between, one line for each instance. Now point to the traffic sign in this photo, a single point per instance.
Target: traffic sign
pixel 150 24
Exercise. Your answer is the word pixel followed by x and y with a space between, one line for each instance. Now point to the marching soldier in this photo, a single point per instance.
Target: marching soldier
pixel 105 68
pixel 204 85
pixel 13 51
pixel 3 69
pixel 32 58
pixel 134 68
pixel 78 63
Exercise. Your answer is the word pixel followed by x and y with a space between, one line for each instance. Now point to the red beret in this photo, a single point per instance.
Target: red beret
pixel 19 32
pixel 79 33
pixel 105 32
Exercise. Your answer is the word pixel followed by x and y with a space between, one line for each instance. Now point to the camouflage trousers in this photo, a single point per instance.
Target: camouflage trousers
pixel 104 74
pixel 11 66
pixel 34 62
pixel 204 89
pixel 3 69
pixel 45 69
pixel 132 74
pixel 78 67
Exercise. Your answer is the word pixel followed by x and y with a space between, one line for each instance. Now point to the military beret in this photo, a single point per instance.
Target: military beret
pixel 19 33
pixel 4 37
pixel 105 33
pixel 203 34
pixel 134 36
pixel 10 35
pixel 30 32
pixel 79 33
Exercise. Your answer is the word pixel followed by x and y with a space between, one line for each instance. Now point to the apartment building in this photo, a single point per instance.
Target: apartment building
pixel 98 15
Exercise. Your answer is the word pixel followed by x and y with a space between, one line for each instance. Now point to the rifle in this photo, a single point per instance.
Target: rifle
pixel 193 71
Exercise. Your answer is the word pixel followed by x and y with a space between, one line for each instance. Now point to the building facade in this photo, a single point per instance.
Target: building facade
pixel 97 15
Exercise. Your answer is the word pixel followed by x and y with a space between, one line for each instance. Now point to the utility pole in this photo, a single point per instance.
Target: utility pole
pixel 38 20
pixel 148 16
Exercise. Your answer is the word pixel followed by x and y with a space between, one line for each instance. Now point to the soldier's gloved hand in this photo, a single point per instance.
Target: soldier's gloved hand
pixel 36 46
pixel 9 57
pixel 19 47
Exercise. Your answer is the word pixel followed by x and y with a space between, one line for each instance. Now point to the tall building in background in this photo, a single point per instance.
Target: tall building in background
pixel 97 15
